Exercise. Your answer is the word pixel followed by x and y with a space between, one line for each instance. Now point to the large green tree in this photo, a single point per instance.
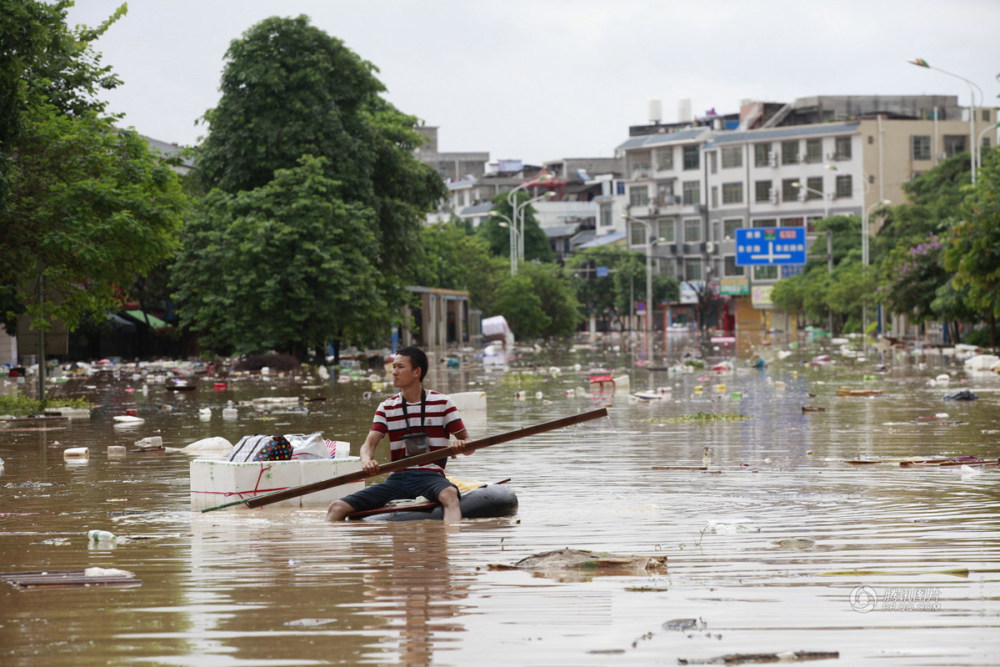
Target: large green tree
pixel 974 255
pixel 288 90
pixel 87 206
pixel 286 266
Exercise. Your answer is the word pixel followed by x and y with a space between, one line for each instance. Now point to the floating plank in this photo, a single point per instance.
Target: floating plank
pixel 680 467
pixel 859 392
pixel 69 579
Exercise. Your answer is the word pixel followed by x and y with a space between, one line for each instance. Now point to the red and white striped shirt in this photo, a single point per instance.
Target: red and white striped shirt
pixel 441 421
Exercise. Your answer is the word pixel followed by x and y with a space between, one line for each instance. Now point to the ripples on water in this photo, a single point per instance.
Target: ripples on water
pixel 748 547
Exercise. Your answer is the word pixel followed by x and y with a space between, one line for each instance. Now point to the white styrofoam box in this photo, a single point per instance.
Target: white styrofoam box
pixel 215 482
pixel 467 401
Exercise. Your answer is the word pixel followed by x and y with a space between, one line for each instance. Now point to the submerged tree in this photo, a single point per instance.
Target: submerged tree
pixel 289 90
pixel 286 266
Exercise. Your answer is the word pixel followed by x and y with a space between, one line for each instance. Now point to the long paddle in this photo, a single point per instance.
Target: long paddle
pixel 419 459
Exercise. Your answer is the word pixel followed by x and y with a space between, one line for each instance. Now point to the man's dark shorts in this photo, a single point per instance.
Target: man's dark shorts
pixel 399 485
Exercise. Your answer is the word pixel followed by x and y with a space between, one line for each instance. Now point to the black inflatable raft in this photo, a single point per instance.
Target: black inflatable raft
pixel 490 501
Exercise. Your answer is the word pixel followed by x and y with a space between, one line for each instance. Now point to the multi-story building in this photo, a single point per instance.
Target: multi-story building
pixel 782 166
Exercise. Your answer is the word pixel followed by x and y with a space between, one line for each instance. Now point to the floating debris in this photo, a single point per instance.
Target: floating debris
pixel 745 658
pixel 589 561
pixel 91 577
pixel 961 395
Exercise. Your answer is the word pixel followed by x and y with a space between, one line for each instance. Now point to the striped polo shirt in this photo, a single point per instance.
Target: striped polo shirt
pixel 441 420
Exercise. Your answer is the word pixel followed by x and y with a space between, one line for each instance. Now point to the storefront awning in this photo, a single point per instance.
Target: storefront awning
pixel 145 318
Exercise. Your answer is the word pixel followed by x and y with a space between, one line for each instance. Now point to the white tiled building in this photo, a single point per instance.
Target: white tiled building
pixel 694 186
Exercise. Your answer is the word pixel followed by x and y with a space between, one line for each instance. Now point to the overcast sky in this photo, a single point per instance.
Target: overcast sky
pixel 547 79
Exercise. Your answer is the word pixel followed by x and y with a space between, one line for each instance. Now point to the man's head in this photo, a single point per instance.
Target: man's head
pixel 417 359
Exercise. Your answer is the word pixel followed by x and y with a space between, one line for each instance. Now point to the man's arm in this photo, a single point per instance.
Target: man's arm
pixel 368 462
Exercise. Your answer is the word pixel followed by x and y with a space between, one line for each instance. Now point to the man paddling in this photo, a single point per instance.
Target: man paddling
pixel 416 420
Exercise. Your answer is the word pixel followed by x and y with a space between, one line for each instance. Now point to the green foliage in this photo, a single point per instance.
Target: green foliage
pixel 19 405
pixel 90 208
pixel 611 294
pixel 454 258
pixel 974 255
pixel 290 90
pixel 538 302
pixel 286 266
pixel 497 238
pixel 81 203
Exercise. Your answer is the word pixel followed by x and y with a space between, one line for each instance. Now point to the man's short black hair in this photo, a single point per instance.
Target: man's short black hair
pixel 417 359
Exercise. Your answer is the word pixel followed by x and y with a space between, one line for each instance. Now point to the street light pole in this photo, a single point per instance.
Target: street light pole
pixel 512 200
pixel 973 149
pixel 827 197
pixel 519 213
pixel 513 237
pixel 864 261
pixel 649 286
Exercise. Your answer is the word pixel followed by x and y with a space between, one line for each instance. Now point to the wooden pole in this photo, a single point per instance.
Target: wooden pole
pixel 419 459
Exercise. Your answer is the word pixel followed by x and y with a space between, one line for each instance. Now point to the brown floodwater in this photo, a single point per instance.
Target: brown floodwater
pixel 779 547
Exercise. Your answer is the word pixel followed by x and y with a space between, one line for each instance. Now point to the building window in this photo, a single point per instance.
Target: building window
pixel 732 157
pixel 637 235
pixel 691 157
pixel 765 273
pixel 788 190
pixel 732 193
pixel 844 186
pixel 665 159
pixel 638 195
pixel 692 269
pixel 692 230
pixel 692 193
pixel 842 148
pixel 715 196
pixel 985 115
pixel 606 220
pixel 814 187
pixel 666 227
pixel 638 164
pixel 764 222
pixel 954 144
pixel 811 223
pixel 762 191
pixel 665 193
pixel 789 152
pixel 667 267
pixel 762 155
pixel 814 150
pixel 730 226
pixel 792 222
pixel 920 147
pixel 729 267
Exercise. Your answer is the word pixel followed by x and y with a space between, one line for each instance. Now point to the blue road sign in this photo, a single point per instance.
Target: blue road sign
pixel 769 246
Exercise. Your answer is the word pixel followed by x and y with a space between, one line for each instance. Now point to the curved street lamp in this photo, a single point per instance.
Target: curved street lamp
pixel 973 149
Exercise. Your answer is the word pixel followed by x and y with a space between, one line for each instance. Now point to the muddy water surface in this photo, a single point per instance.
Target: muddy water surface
pixel 779 547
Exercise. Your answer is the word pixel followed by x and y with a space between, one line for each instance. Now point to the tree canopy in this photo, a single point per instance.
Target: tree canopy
pixel 283 266
pixel 290 90
pixel 87 206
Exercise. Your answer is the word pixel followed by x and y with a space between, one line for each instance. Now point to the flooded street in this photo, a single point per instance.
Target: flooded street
pixel 780 546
